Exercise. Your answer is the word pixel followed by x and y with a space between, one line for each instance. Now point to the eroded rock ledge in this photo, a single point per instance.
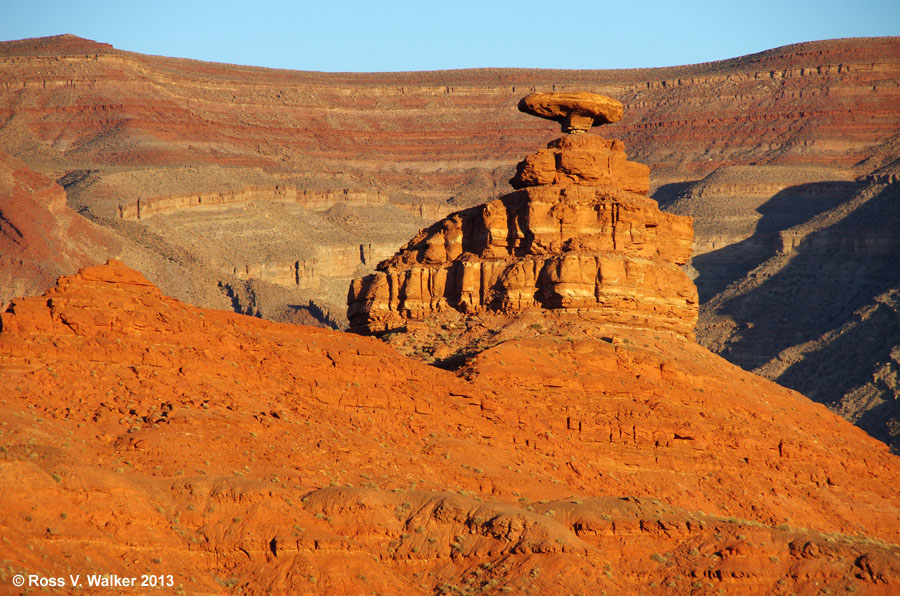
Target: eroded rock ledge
pixel 577 237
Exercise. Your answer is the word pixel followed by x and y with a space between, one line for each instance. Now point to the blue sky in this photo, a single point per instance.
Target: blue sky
pixel 427 35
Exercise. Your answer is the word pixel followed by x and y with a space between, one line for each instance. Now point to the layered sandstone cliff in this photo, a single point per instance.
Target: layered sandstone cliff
pixel 117 127
pixel 578 237
pixel 81 102
pixel 312 200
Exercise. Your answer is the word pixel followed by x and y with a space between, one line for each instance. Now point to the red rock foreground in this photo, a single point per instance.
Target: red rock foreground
pixel 141 435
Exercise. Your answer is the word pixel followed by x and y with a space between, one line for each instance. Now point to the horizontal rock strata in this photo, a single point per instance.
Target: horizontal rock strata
pixel 308 199
pixel 146 126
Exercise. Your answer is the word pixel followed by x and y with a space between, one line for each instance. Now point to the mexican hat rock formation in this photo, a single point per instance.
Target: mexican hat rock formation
pixel 578 238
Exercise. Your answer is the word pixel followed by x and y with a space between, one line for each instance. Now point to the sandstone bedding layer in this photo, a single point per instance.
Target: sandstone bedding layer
pixel 266 191
pixel 141 435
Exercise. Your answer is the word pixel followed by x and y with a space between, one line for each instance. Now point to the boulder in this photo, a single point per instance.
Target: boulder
pixel 575 111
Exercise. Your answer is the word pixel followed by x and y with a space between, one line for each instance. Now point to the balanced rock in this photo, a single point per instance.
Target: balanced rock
pixel 577 239
pixel 576 111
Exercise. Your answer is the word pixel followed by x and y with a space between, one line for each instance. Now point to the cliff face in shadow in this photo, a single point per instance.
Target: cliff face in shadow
pixel 818 313
pixel 784 210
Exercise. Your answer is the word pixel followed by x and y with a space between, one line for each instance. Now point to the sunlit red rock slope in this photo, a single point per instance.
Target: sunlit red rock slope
pixel 267 191
pixel 142 435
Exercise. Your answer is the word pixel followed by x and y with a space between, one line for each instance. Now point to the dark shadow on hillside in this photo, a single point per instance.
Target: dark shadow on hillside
pixel 847 361
pixel 716 270
pixel 787 208
pixel 800 203
pixel 833 272
pixel 666 194
pixel 882 422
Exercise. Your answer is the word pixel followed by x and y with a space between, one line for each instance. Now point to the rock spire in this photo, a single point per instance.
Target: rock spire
pixel 578 239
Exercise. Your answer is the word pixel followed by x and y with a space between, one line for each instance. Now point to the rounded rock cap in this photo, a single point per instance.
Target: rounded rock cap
pixel 576 111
